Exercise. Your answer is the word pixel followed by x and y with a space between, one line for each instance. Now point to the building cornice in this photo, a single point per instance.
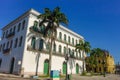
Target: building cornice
pixel 36 13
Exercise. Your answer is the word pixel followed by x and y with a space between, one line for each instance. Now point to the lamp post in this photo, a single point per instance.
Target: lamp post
pixel 104 67
pixel 66 58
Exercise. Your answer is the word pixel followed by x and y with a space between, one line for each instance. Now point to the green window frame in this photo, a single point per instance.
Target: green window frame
pixel 19 25
pixel 33 42
pixel 11 30
pixel 20 43
pixel 3 46
pixel 69 51
pixel 69 39
pixel 76 41
pixel 42 29
pixel 65 37
pixel 6 33
pixel 41 44
pixel 35 23
pixel 54 47
pixel 60 35
pixel 16 41
pixel 11 43
pixel 23 24
pixel 7 45
pixel 73 41
pixel 14 29
pixel 60 49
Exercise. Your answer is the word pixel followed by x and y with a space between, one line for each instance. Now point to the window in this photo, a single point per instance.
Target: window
pixel 69 39
pixel 19 25
pixel 33 42
pixel 42 28
pixel 7 45
pixel 65 37
pixel 60 35
pixel 76 41
pixel 6 33
pixel 3 34
pixel 20 43
pixel 73 41
pixel 60 48
pixel 14 29
pixel 54 47
pixel 35 23
pixel 69 51
pixel 23 24
pixel 65 51
pixel 11 30
pixel 11 43
pixel 3 46
pixel 0 47
pixel 41 44
pixel 16 41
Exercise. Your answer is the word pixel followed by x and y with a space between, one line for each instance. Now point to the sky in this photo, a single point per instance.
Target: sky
pixel 98 21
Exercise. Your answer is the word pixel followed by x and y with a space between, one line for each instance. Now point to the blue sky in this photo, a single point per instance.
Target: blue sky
pixel 97 20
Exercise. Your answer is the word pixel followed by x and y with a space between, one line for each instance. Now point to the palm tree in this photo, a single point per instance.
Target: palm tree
pixel 83 47
pixel 94 54
pixel 51 21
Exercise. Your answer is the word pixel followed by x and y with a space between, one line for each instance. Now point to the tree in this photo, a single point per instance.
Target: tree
pixel 51 21
pixel 83 47
pixel 94 54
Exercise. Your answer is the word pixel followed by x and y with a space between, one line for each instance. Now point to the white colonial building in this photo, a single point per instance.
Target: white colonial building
pixel 22 41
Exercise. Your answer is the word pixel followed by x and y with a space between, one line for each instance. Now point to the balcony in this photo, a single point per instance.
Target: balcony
pixel 6 51
pixel 10 35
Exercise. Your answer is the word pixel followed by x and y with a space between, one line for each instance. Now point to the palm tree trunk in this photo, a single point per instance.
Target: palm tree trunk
pixel 36 74
pixel 83 61
pixel 50 56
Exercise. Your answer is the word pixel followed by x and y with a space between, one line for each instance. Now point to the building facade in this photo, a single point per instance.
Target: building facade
pixel 22 44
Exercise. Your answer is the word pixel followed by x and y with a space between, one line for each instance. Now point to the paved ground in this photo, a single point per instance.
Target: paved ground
pixel 108 77
pixel 74 77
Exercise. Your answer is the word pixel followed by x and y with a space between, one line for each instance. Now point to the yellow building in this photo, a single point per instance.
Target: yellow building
pixel 104 63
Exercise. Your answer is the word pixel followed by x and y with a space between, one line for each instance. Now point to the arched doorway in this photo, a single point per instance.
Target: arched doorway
pixel 46 67
pixel 77 69
pixel 12 65
pixel 64 67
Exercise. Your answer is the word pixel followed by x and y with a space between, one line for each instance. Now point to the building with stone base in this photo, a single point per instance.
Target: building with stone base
pixel 21 44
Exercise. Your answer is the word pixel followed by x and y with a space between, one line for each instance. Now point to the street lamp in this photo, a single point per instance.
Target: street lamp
pixel 66 58
pixel 104 67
